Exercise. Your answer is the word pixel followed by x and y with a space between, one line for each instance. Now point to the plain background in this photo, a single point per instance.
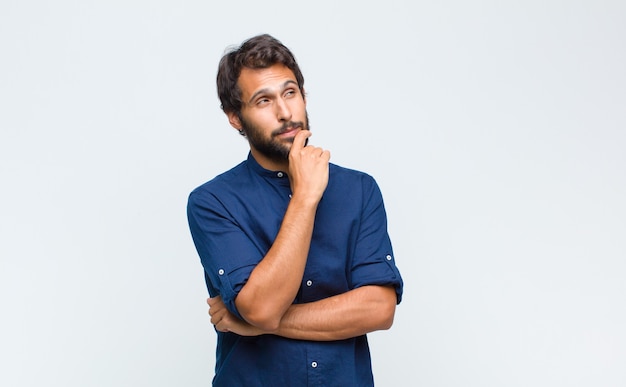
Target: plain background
pixel 495 129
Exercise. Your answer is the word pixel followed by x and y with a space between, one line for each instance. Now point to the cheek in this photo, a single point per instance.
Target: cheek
pixel 298 109
pixel 262 119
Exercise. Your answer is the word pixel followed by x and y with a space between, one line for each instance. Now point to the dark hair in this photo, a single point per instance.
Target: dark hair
pixel 258 52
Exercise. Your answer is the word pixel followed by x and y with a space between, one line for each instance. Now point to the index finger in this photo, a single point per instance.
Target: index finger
pixel 214 300
pixel 299 139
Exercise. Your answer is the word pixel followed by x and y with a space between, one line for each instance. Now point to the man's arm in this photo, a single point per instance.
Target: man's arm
pixel 354 313
pixel 274 282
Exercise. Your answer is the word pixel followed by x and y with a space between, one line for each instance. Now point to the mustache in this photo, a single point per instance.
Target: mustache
pixel 287 126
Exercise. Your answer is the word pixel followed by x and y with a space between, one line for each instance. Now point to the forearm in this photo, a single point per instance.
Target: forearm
pixel 347 315
pixel 274 282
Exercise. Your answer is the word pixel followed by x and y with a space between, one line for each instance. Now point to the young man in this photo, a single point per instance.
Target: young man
pixel 295 250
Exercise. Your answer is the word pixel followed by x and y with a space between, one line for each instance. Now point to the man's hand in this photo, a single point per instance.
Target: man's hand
pixel 308 168
pixel 225 321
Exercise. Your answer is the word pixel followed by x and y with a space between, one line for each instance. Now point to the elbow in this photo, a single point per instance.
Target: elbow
pixel 258 314
pixel 267 323
pixel 387 308
pixel 387 316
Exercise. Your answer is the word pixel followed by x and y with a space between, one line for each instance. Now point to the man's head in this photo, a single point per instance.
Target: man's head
pixel 261 89
pixel 259 52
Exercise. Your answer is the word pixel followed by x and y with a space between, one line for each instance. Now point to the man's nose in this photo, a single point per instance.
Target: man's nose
pixel 283 113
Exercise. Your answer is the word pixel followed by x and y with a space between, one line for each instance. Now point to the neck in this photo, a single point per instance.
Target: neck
pixel 269 164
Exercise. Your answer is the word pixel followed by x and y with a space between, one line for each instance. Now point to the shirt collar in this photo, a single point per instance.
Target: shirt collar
pixel 258 169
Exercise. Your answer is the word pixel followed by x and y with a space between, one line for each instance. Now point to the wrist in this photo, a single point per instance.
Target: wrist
pixel 307 201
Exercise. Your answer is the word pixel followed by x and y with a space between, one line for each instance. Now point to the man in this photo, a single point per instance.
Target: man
pixel 295 250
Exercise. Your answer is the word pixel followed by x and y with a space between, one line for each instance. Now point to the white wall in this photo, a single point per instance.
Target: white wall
pixel 496 131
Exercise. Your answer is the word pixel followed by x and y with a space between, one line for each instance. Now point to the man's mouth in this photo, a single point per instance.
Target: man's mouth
pixel 288 130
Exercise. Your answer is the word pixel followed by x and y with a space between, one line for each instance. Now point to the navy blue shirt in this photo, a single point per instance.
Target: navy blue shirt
pixel 234 220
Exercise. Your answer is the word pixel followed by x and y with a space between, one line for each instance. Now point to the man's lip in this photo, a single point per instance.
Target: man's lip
pixel 290 130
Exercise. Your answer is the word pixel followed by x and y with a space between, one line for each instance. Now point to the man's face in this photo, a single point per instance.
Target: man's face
pixel 273 111
pixel 274 146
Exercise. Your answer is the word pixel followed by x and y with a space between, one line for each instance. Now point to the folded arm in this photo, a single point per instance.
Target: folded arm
pixel 354 313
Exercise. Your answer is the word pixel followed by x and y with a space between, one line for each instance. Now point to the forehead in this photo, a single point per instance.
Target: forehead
pixel 272 78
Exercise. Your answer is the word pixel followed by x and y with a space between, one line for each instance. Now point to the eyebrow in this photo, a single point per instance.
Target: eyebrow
pixel 267 90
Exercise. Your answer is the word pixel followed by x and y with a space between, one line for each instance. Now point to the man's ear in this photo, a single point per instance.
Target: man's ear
pixel 234 120
pixel 304 95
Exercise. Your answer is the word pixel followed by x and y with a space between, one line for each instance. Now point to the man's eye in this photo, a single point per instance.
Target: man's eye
pixel 290 93
pixel 262 101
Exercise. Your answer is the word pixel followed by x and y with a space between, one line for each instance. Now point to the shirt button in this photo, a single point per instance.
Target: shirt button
pixel 279 174
pixel 314 364
pixel 220 271
pixel 309 283
pixel 389 257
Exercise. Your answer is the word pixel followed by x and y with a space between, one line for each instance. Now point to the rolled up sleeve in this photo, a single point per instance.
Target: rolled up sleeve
pixel 227 254
pixel 373 260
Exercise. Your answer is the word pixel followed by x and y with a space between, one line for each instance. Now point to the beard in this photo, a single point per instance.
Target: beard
pixel 271 147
